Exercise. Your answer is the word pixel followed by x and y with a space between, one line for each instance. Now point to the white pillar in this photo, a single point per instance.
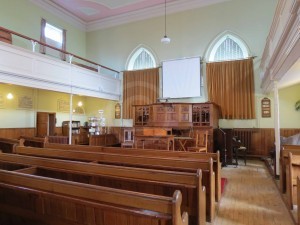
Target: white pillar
pixel 71 113
pixel 277 127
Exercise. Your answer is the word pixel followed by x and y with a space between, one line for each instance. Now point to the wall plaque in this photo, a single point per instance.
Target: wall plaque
pixel 265 108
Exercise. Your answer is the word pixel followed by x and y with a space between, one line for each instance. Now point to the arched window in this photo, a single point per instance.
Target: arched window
pixel 141 58
pixel 228 47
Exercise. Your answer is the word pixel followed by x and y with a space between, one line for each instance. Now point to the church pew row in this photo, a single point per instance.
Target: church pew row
pixel 298 199
pixel 284 154
pixel 292 172
pixel 39 201
pixel 8 145
pixel 155 153
pixel 149 181
pixel 170 164
pixel 38 142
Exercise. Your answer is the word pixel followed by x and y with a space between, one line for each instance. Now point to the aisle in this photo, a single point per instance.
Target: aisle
pixel 251 197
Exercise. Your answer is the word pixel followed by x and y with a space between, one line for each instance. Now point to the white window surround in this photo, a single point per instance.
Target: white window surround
pixel 136 52
pixel 211 52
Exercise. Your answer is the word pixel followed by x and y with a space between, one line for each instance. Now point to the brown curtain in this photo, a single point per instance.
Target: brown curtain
pixel 139 87
pixel 230 84
pixel 43 37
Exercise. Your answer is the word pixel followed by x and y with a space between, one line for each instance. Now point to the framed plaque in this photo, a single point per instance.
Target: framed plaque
pixel 265 108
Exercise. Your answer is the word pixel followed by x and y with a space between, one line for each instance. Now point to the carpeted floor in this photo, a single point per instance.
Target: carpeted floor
pixel 223 184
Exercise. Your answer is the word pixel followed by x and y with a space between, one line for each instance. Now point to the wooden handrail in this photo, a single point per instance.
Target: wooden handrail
pixel 57 49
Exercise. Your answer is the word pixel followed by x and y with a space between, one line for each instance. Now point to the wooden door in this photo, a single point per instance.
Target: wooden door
pixel 45 124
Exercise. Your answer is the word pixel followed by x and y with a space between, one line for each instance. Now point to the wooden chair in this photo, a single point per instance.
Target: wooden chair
pixel 128 138
pixel 201 140
pixel 238 150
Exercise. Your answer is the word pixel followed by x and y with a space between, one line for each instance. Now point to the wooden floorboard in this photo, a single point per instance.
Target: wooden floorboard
pixel 251 197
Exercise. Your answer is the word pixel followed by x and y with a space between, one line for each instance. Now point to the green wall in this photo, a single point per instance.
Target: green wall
pixel 191 34
pixel 24 17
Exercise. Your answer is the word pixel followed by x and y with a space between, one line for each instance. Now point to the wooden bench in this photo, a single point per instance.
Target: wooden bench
pixel 298 198
pixel 103 140
pixel 44 200
pixel 134 179
pixel 292 172
pixel 8 145
pixel 155 153
pixel 57 140
pixel 171 164
pixel 32 141
pixel 284 154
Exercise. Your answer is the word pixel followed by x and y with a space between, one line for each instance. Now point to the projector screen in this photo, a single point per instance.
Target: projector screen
pixel 181 78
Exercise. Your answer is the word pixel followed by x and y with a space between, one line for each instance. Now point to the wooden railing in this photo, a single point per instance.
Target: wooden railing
pixel 34 41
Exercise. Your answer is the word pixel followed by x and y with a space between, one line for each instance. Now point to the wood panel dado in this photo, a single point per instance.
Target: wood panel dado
pixel 259 141
pixel 15 133
pixel 263 139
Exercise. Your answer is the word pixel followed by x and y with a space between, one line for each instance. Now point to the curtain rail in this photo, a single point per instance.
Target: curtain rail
pixel 57 49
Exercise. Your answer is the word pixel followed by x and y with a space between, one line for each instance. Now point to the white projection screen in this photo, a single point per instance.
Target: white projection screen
pixel 181 78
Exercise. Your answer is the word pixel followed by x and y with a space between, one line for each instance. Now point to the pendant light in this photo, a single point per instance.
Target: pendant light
pixel 165 39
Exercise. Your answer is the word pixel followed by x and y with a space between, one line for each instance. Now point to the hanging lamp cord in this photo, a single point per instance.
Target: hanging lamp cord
pixel 165 18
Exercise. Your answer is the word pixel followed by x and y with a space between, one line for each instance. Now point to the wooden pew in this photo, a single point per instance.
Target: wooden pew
pixel 150 181
pixel 298 199
pixel 155 153
pixel 292 172
pixel 57 140
pixel 56 202
pixel 32 141
pixel 8 145
pixel 170 164
pixel 284 154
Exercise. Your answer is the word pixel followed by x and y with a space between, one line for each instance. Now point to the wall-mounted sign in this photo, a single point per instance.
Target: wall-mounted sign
pixel 265 107
pixel 25 102
pixel 63 105
pixel 118 111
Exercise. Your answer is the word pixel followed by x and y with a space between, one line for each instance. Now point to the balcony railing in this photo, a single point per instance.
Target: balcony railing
pixel 72 58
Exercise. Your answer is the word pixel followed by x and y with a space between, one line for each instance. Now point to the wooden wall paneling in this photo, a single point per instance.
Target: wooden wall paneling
pixel 15 133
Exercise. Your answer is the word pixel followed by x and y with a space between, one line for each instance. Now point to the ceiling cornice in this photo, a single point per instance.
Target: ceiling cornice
pixel 147 13
pixel 61 13
pixel 150 12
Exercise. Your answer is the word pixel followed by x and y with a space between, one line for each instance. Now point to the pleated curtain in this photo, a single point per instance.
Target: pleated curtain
pixel 230 85
pixel 140 87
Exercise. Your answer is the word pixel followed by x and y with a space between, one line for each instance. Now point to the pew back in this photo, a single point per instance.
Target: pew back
pixel 284 154
pixel 8 145
pixel 52 201
pixel 292 172
pixel 174 164
pixel 155 153
pixel 134 179
pixel 33 141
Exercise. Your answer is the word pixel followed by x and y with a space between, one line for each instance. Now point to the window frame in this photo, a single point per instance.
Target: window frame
pixel 135 54
pixel 219 41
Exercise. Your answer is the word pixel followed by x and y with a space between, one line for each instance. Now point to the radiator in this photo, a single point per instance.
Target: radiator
pixel 245 135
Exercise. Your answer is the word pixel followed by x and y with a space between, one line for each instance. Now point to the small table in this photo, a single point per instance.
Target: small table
pixel 182 142
pixel 169 139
